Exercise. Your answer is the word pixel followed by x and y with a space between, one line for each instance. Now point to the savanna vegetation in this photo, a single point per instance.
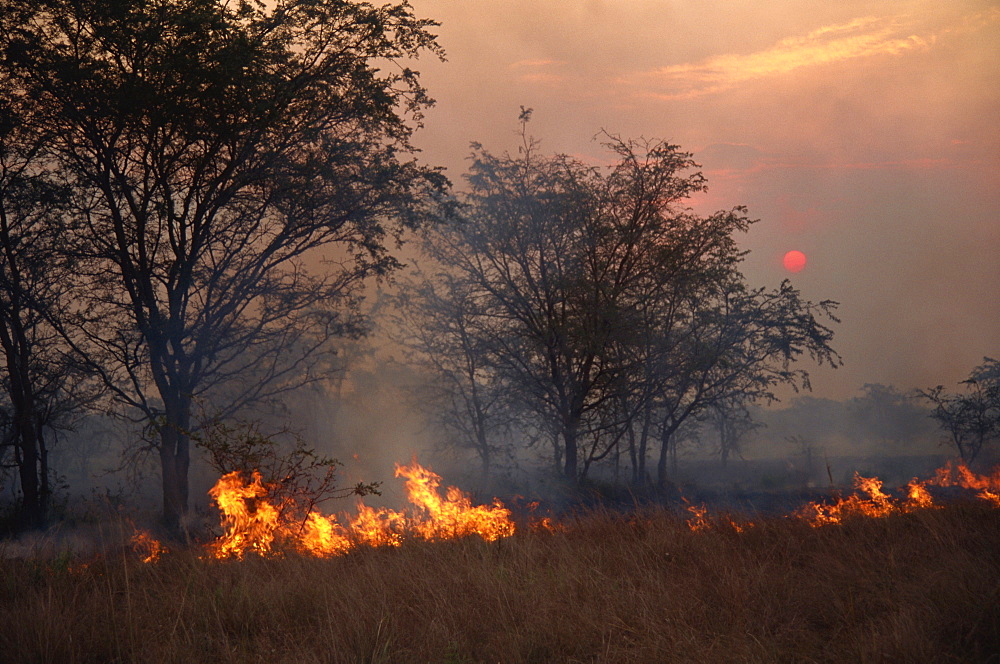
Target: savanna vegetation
pixel 195 198
pixel 918 586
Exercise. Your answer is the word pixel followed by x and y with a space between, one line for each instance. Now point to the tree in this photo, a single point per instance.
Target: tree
pixel 735 343
pixel 732 420
pixel 602 302
pixel 218 151
pixel 887 415
pixel 438 319
pixel 42 387
pixel 971 419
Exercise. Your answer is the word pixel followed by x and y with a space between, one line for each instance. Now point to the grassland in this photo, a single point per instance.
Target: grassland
pixel 917 587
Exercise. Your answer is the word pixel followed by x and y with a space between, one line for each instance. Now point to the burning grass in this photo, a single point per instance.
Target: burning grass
pixel 875 575
pixel 914 586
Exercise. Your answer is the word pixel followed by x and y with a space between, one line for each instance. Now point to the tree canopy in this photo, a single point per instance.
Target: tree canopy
pixel 602 303
pixel 217 153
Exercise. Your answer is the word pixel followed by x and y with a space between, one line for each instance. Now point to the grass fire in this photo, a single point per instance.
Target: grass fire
pixel 680 306
pixel 888 575
pixel 254 521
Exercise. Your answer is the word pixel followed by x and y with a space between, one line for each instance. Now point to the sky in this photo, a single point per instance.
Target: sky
pixel 864 134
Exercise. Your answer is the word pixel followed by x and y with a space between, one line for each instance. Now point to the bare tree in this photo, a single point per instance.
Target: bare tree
pixel 218 153
pixel 971 419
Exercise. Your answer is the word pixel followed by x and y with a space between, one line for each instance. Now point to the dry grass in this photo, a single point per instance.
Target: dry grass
pixel 920 587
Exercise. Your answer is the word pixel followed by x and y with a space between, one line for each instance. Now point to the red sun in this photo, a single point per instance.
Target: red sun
pixel 794 261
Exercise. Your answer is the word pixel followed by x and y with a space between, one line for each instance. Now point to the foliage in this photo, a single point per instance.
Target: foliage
pixel 217 153
pixel 295 473
pixel 970 418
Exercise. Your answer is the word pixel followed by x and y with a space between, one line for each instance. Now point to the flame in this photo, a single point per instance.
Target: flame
pixel 253 521
pixel 987 486
pixel 698 520
pixel 256 521
pixel 453 516
pixel 918 496
pixel 147 546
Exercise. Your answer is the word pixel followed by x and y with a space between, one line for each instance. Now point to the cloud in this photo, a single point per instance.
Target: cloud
pixel 532 64
pixel 860 38
pixel 537 71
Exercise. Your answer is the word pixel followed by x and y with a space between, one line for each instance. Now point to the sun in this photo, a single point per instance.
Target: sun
pixel 794 261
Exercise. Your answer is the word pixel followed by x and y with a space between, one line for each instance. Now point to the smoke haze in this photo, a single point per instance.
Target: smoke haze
pixel 863 136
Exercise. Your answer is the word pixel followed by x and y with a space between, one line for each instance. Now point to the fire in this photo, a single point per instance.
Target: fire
pixel 147 546
pixel 698 520
pixel 253 523
pixel 988 486
pixel 256 521
pixel 455 515
pixel 918 496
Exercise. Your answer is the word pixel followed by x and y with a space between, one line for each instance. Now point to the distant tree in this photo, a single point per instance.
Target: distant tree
pixel 970 418
pixel 887 415
pixel 732 422
pixel 217 151
pixel 438 318
pixel 603 302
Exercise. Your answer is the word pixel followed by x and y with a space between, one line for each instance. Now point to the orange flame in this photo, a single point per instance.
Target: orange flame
pixel 253 523
pixel 698 520
pixel 879 504
pixel 147 546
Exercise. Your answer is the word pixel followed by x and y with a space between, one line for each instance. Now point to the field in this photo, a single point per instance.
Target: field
pixel 922 586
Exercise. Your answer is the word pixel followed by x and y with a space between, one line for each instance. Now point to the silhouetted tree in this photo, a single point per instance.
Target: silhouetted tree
pixel 971 418
pixel 602 302
pixel 438 320
pixel 217 151
pixel 41 386
pixel 736 343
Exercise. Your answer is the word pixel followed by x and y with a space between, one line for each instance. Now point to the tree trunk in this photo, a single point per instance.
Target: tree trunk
pixel 644 445
pixel 661 465
pixel 175 460
pixel 31 513
pixel 20 391
pixel 569 438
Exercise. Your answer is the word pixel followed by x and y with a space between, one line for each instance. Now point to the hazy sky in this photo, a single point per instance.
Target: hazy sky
pixel 865 134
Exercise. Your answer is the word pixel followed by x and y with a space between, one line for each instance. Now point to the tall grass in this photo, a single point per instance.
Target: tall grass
pixel 919 587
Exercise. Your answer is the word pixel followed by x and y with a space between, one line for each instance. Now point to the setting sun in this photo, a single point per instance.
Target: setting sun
pixel 794 261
